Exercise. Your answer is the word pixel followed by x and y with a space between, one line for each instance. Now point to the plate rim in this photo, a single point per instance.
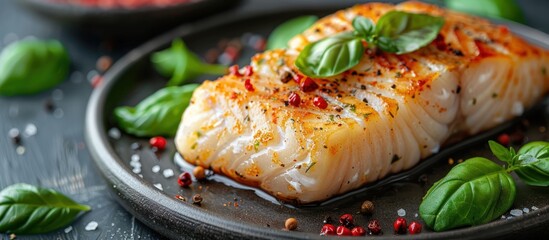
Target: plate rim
pixel 126 184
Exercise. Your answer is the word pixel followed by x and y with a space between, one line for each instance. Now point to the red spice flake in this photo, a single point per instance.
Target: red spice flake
pixel 308 85
pixel 248 85
pixel 294 99
pixel 414 227
pixel 184 179
pixel 298 78
pixel 343 231
pixel 320 102
pixel 328 229
pixel 96 80
pixel 103 63
pixel 158 142
pixel 504 139
pixel 248 71
pixel 358 231
pixel 234 70
pixel 400 225
pixel 181 198
pixel 374 227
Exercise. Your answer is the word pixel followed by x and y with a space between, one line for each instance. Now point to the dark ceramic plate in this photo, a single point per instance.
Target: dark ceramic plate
pixel 127 22
pixel 231 212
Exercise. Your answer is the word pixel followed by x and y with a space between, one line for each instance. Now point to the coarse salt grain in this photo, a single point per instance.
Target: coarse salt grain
pixel 156 169
pixel 114 133
pixel 92 226
pixel 526 210
pixel 168 173
pixel 534 208
pixel 30 130
pixel 68 229
pixel 57 95
pixel 135 164
pixel 516 212
pixel 401 212
pixel 58 113
pixel 136 170
pixel 20 150
pixel 159 186
pixel 135 158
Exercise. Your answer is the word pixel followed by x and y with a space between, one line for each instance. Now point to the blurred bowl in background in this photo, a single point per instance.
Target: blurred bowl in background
pixel 129 18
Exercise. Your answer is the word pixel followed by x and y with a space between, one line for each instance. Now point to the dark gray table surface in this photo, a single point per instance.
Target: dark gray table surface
pixel 56 156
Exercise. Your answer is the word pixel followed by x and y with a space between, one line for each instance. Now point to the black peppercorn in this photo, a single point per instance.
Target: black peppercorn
pixel 197 199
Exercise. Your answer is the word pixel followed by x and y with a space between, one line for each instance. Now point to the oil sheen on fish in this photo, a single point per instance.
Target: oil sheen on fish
pixel 384 115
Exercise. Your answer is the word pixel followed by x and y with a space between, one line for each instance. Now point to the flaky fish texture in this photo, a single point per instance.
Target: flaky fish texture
pixel 383 116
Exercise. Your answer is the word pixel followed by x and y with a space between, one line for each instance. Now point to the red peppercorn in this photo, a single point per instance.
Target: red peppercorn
pixel 414 227
pixel 184 179
pixel 504 139
pixel 308 85
pixel 343 231
pixel 320 102
pixel 294 99
pixel 248 71
pixel 374 227
pixel 248 85
pixel 158 142
pixel 358 231
pixel 328 229
pixel 347 220
pixel 233 70
pixel 400 225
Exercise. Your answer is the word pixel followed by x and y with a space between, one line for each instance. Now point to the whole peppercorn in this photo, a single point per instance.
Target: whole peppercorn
pixel 294 99
pixel 504 139
pixel 367 207
pixel 343 231
pixel 347 220
pixel 374 227
pixel 197 199
pixel 358 231
pixel 320 102
pixel 158 142
pixel 199 172
pixel 307 85
pixel 184 179
pixel 400 225
pixel 414 227
pixel 290 224
pixel 328 229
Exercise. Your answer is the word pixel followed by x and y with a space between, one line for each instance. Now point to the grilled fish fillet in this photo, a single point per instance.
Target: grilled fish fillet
pixel 383 116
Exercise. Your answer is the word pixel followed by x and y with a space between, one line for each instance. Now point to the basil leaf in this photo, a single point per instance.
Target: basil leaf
pixel 26 209
pixel 364 27
pixel 502 9
pixel 330 56
pixel 280 36
pixel 158 114
pixel 502 153
pixel 179 63
pixel 474 192
pixel 32 66
pixel 534 162
pixel 402 32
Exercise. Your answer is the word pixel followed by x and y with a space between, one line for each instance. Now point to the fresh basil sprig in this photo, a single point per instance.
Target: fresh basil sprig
pixel 32 66
pixel 158 114
pixel 477 191
pixel 180 64
pixel 26 209
pixel 396 32
pixel 280 36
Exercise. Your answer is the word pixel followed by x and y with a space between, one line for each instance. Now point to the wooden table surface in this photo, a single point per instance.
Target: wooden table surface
pixel 56 156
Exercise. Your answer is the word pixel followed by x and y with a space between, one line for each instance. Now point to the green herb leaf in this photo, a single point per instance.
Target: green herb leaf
pixel 284 32
pixel 158 114
pixel 32 66
pixel 330 56
pixel 364 27
pixel 402 32
pixel 534 163
pixel 474 192
pixel 26 209
pixel 501 152
pixel 502 9
pixel 179 63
